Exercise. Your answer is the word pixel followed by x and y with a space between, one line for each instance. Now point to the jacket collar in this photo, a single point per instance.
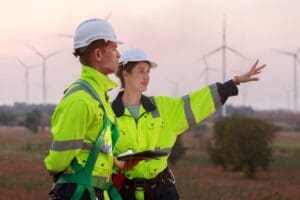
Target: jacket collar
pixel 118 106
pixel 99 81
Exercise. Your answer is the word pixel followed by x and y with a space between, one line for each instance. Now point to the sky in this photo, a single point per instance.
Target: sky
pixel 174 33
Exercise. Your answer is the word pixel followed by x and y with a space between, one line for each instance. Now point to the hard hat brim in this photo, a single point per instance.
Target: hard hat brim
pixel 152 64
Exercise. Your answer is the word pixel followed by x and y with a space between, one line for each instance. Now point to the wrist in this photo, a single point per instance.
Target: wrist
pixel 236 80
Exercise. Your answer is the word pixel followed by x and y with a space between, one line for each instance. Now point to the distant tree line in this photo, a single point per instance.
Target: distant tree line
pixel 31 116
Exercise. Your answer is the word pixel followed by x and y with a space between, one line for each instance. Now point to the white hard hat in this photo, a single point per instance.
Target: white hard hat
pixel 135 55
pixel 91 30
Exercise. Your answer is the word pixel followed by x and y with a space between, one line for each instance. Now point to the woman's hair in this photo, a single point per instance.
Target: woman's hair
pixel 121 68
pixel 84 53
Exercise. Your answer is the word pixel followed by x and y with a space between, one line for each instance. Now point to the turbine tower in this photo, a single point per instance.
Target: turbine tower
pixel 26 75
pixel 295 56
pixel 44 59
pixel 223 48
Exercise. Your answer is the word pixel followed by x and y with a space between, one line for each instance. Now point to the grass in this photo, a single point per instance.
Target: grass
pixel 23 176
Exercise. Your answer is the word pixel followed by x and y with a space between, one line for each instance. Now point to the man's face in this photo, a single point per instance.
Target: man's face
pixel 110 58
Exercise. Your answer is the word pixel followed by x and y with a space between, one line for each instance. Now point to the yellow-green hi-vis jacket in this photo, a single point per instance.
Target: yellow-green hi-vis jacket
pixel 161 119
pixel 76 124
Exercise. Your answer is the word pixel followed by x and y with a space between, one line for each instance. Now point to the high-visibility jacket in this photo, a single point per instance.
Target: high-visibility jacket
pixel 76 124
pixel 161 119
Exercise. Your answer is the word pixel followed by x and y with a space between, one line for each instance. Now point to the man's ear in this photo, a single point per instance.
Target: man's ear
pixel 98 54
pixel 125 74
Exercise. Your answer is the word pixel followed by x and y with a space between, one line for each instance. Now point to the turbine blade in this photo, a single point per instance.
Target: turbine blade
pixel 237 53
pixel 205 62
pixel 108 16
pixel 213 51
pixel 54 53
pixel 202 72
pixel 21 62
pixel 34 50
pixel 284 52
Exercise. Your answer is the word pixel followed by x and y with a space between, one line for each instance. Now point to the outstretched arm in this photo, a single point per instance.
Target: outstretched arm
pixel 250 75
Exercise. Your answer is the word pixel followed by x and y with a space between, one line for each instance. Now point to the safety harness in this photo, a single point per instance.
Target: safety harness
pixel 82 176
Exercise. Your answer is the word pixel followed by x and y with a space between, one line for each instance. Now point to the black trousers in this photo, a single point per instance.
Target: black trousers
pixel 162 191
pixel 66 190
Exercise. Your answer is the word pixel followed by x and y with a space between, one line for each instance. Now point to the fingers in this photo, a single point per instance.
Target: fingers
pixel 254 79
pixel 260 68
pixel 255 64
pixel 131 163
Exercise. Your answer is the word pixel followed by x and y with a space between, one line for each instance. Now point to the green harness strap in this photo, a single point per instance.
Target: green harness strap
pixel 83 175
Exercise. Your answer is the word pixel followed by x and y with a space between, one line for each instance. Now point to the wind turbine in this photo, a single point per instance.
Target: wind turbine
pixel 176 85
pixel 44 58
pixel 223 48
pixel 206 70
pixel 26 75
pixel 295 56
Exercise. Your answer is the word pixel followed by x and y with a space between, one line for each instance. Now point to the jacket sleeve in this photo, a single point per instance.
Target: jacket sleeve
pixel 226 90
pixel 189 110
pixel 69 124
pixel 207 100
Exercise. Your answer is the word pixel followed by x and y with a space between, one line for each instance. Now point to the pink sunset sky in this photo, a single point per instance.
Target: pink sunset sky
pixel 175 33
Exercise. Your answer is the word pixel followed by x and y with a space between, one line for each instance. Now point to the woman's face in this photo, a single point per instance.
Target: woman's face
pixel 139 77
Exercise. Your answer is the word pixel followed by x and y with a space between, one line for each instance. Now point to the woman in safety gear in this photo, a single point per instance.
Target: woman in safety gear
pixel 153 123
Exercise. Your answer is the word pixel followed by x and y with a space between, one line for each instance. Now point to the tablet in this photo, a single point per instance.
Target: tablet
pixel 148 154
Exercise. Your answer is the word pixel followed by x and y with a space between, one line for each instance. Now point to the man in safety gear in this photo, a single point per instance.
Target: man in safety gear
pixel 83 124
pixel 153 123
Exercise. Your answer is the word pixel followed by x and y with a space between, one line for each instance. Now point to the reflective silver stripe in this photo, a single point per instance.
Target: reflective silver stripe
pixel 84 145
pixel 96 178
pixel 66 145
pixel 215 95
pixel 188 111
pixel 87 146
pixel 154 113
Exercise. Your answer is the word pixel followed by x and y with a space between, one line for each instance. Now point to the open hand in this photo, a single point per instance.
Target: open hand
pixel 250 75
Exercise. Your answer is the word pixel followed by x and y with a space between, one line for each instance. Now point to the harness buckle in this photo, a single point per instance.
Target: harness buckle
pixel 139 184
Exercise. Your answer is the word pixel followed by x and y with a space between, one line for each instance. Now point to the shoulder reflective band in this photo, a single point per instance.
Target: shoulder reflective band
pixel 155 113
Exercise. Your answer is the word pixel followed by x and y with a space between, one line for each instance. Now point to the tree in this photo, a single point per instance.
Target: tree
pixel 242 143
pixel 33 120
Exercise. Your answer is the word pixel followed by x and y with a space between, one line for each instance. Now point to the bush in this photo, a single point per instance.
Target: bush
pixel 242 143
